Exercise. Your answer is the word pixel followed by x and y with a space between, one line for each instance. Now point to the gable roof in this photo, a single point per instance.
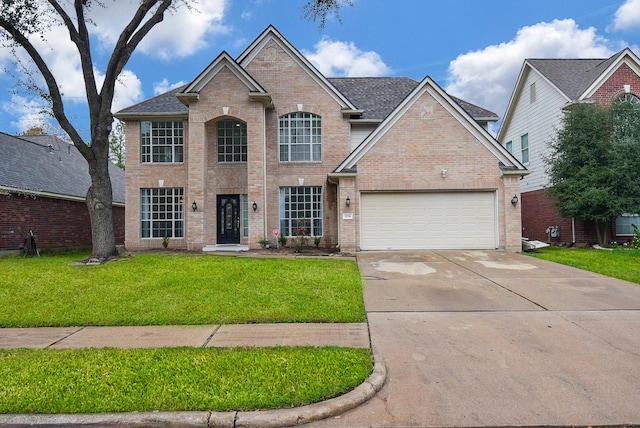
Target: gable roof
pixel 223 61
pixel 377 97
pixel 271 35
pixel 45 165
pixel 575 79
pixel 507 161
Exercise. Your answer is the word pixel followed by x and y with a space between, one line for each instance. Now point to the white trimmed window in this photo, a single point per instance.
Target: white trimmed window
pixel 509 146
pixel 162 212
pixel 161 142
pixel 524 148
pixel 300 137
pixel 624 224
pixel 232 141
pixel 301 210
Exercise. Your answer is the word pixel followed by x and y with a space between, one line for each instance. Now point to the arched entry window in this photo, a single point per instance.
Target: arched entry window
pixel 628 98
pixel 232 141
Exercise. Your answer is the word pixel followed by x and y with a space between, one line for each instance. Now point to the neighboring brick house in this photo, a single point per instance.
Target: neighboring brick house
pixel 265 143
pixel 43 183
pixel 545 87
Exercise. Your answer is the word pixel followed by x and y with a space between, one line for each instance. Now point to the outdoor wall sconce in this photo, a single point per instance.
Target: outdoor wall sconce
pixel 194 205
pixel 443 173
pixel 514 200
pixel 255 206
pixel 348 202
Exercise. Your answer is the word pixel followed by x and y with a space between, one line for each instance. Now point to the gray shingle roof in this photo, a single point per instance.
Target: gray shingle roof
pixel 376 96
pixel 164 103
pixel 572 76
pixel 47 164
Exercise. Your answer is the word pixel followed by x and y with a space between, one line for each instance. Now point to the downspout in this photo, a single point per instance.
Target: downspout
pixel 573 230
pixel 264 169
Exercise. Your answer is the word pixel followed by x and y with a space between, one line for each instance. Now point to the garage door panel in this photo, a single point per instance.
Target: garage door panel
pixel 461 220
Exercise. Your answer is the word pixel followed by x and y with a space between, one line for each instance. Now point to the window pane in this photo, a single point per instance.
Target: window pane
pixel 161 142
pixel 301 211
pixel 232 141
pixel 300 137
pixel 162 212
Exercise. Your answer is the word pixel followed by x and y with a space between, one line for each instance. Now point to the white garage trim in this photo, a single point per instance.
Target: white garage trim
pixel 423 220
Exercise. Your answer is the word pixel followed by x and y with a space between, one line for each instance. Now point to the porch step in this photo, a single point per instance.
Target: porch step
pixel 225 247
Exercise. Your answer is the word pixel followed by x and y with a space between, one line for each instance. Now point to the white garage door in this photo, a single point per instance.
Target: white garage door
pixel 413 221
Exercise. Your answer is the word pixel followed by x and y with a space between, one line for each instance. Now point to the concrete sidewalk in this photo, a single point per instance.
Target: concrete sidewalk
pixel 353 335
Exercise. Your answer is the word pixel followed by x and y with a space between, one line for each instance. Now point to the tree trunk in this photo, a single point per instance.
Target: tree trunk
pixel 602 232
pixel 99 204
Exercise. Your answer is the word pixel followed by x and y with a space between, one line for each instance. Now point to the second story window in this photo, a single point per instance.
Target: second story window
pixel 524 147
pixel 300 137
pixel 232 141
pixel 161 142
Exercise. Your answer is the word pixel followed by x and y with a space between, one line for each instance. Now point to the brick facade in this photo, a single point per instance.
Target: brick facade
pixel 410 158
pixel 57 224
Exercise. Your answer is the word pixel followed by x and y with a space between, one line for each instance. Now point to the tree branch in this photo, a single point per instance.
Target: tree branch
pixel 52 85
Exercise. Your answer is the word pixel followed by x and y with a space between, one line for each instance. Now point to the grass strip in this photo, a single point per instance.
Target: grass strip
pixel 176 379
pixel 184 289
pixel 618 263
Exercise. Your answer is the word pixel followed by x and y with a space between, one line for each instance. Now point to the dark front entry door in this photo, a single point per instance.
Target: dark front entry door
pixel 228 219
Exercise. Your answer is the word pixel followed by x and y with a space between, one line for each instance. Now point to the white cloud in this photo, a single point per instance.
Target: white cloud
pixel 487 77
pixel 334 58
pixel 164 86
pixel 128 91
pixel 183 31
pixel 627 16
pixel 29 112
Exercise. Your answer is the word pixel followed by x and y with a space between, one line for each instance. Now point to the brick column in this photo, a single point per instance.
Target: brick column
pixel 194 190
pixel 512 214
pixel 256 153
pixel 348 217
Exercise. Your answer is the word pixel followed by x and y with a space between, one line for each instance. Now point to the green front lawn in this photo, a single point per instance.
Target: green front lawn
pixel 619 263
pixel 170 289
pixel 164 289
pixel 175 379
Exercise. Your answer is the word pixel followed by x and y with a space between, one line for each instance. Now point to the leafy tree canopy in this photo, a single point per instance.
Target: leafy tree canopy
pixel 594 164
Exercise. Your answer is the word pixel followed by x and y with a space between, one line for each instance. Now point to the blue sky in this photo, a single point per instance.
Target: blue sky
pixel 473 49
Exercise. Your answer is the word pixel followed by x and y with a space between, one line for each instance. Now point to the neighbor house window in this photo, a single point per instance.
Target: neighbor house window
pixel 624 224
pixel 300 137
pixel 524 147
pixel 509 146
pixel 532 93
pixel 301 211
pixel 161 141
pixel 162 212
pixel 232 141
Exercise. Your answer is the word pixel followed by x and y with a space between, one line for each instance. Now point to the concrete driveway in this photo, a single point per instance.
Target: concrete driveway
pixel 489 338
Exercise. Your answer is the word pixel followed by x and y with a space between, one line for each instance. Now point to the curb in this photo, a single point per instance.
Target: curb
pixel 256 419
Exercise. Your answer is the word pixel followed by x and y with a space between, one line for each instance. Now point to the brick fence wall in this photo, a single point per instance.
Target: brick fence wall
pixel 57 224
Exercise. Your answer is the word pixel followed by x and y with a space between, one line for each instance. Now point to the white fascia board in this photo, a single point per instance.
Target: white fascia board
pixel 35 193
pixel 271 34
pixel 155 115
pixel 517 89
pixel 627 57
pixel 223 60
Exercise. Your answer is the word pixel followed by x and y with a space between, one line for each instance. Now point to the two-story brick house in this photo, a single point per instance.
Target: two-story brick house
pixel 265 143
pixel 544 89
